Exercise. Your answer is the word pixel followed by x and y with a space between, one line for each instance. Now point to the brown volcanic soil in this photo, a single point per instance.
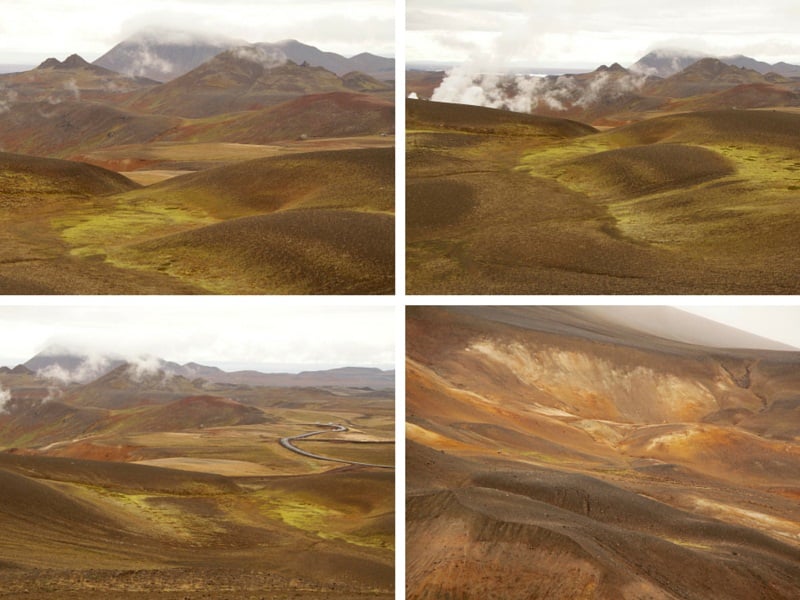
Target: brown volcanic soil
pixel 637 170
pixel 299 251
pixel 71 128
pixel 554 455
pixel 47 176
pixel 462 117
pixel 691 203
pixel 335 114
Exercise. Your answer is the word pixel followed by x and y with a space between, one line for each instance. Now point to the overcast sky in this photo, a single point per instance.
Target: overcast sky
pixel 232 334
pixel 587 33
pixel 779 323
pixel 31 31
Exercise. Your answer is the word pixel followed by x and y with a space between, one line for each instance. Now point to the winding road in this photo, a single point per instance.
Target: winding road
pixel 286 442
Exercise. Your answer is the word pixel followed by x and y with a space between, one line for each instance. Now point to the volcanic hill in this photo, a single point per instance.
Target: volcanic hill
pixel 558 453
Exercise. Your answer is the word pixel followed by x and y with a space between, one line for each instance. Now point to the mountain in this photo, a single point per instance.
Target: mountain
pixel 166 55
pixel 162 55
pixel 666 62
pixel 72 79
pixel 704 76
pixel 245 78
pixel 355 377
pixel 333 114
pixel 375 66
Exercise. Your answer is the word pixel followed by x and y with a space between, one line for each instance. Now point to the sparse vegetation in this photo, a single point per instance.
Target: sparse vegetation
pixel 688 203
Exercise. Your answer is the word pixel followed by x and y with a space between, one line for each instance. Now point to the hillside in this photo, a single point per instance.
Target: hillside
pixel 702 77
pixel 334 114
pixel 244 78
pixel 564 455
pixel 69 128
pixel 27 180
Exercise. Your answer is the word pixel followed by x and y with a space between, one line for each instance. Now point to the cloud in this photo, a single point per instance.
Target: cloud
pixel 7 99
pixel 208 331
pixel 145 366
pixel 71 86
pixel 91 367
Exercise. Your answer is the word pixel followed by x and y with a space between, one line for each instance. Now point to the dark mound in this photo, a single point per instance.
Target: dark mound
pixel 442 115
pixel 748 126
pixel 117 475
pixel 361 82
pixel 28 174
pixel 305 251
pixel 752 95
pixel 41 423
pixel 349 178
pixel 69 128
pixel 24 498
pixel 197 411
pixel 334 114
pixel 646 169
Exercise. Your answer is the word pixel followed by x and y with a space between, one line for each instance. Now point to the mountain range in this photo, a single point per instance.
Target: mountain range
pixel 665 62
pixel 164 56
pixel 79 368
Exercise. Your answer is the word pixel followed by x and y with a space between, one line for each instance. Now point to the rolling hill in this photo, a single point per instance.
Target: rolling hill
pixel 681 203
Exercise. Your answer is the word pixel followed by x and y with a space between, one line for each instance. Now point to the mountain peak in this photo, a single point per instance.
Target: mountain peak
pixel 74 61
pixel 50 63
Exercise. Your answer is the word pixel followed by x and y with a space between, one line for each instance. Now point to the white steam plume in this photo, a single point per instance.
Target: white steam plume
pixel 525 93
pixel 145 60
pixel 72 87
pixel 267 57
pixel 141 367
pixel 5 396
pixel 7 99
pixel 90 368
